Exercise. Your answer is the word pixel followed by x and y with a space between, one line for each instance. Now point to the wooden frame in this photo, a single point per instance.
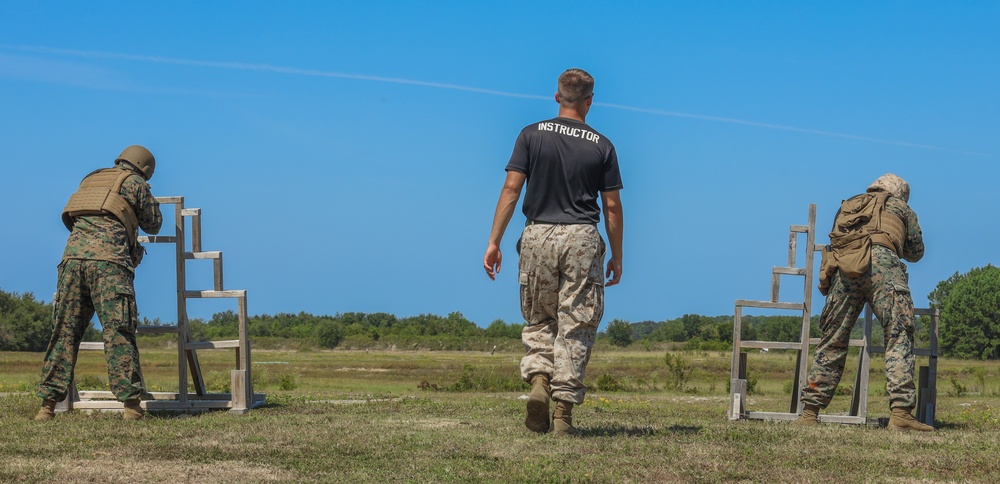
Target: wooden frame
pixel 241 397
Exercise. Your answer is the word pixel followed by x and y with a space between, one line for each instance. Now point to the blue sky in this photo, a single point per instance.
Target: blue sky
pixel 348 156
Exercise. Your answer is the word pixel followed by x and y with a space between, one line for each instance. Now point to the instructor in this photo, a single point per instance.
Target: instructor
pixel 566 165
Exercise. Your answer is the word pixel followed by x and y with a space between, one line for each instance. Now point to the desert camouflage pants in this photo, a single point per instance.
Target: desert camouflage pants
pixel 562 300
pixel 886 288
pixel 86 286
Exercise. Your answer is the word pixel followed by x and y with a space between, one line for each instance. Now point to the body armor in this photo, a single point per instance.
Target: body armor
pixel 100 194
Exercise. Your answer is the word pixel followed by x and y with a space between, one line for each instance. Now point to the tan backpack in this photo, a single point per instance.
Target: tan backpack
pixel 861 221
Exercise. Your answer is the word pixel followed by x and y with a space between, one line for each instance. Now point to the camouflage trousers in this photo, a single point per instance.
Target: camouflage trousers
pixel 885 288
pixel 86 286
pixel 562 301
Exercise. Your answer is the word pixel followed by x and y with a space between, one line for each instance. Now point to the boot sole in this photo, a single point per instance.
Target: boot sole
pixel 538 416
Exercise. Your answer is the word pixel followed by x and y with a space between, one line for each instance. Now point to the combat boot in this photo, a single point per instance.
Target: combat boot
pixel 562 419
pixel 133 411
pixel 902 421
pixel 47 412
pixel 537 419
pixel 809 416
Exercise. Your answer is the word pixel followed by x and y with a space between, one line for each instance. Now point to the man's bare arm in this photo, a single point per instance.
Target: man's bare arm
pixel 509 195
pixel 613 220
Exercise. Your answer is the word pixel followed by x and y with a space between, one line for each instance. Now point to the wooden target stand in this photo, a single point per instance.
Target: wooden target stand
pixel 858 414
pixel 241 397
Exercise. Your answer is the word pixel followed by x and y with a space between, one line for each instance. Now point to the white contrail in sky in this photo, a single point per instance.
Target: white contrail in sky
pixel 457 87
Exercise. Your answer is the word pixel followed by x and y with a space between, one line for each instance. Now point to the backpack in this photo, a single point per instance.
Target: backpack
pixel 857 221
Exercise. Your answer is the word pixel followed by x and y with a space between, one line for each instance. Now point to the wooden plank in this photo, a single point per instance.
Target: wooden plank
pixel 92 345
pixel 801 228
pixel 240 394
pixel 213 345
pixel 195 214
pixel 737 339
pixel 852 342
pixel 738 390
pixel 771 345
pixel 170 200
pixel 769 305
pixel 156 239
pixel 217 273
pixel 213 254
pixel 780 416
pixel 792 241
pixel 789 271
pixel 237 293
pixel 802 366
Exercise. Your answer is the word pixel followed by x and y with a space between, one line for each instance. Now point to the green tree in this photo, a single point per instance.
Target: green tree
pixel 970 313
pixel 329 333
pixel 25 324
pixel 620 333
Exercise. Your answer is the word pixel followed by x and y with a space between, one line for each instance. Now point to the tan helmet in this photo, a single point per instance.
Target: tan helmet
pixel 140 158
pixel 892 184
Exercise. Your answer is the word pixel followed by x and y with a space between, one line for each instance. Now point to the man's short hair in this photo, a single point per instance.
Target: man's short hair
pixel 575 85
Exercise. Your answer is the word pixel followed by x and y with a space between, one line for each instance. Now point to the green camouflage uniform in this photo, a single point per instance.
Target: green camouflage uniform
pixel 96 274
pixel 885 288
pixel 562 300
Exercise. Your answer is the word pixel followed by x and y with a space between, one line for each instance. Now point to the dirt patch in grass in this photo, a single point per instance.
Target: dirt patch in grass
pixel 114 470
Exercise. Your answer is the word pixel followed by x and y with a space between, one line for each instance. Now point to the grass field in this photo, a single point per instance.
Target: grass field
pixel 357 416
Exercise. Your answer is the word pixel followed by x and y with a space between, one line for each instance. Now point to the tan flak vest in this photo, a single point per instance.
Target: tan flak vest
pixel 100 194
pixel 861 222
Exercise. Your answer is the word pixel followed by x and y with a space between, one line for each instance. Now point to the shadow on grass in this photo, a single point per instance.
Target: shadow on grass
pixel 620 431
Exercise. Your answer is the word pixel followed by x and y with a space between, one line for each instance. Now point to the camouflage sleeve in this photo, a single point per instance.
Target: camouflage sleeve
pixel 913 246
pixel 147 209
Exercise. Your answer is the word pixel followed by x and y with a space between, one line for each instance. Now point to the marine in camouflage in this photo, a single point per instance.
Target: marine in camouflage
pixel 96 276
pixel 562 301
pixel 886 288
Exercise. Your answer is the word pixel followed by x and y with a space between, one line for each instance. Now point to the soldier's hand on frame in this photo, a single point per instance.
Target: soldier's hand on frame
pixel 614 272
pixel 492 261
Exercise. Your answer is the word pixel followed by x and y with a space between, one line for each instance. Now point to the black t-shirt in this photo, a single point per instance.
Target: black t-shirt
pixel 567 165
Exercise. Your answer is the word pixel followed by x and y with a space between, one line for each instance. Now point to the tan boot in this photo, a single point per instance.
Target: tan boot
pixel 902 421
pixel 47 412
pixel 133 411
pixel 537 419
pixel 562 419
pixel 809 416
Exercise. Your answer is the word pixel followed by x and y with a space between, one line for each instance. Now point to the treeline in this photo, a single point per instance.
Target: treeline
pixel 696 328
pixel 331 331
pixel 25 325
pixel 969 325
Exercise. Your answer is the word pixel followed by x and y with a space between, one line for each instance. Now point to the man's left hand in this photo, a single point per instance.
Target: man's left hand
pixel 614 272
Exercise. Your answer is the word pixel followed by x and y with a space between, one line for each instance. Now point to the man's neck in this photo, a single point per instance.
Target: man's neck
pixel 572 113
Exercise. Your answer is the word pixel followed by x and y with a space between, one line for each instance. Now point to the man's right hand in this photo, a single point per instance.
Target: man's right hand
pixel 492 261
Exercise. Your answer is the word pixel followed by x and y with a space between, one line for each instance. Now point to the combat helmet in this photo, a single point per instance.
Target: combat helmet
pixel 893 185
pixel 140 158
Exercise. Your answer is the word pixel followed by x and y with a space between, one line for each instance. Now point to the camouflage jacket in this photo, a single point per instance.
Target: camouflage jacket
pixel 103 237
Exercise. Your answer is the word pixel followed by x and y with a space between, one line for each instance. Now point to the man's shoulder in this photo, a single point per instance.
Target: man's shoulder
pixel 897 205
